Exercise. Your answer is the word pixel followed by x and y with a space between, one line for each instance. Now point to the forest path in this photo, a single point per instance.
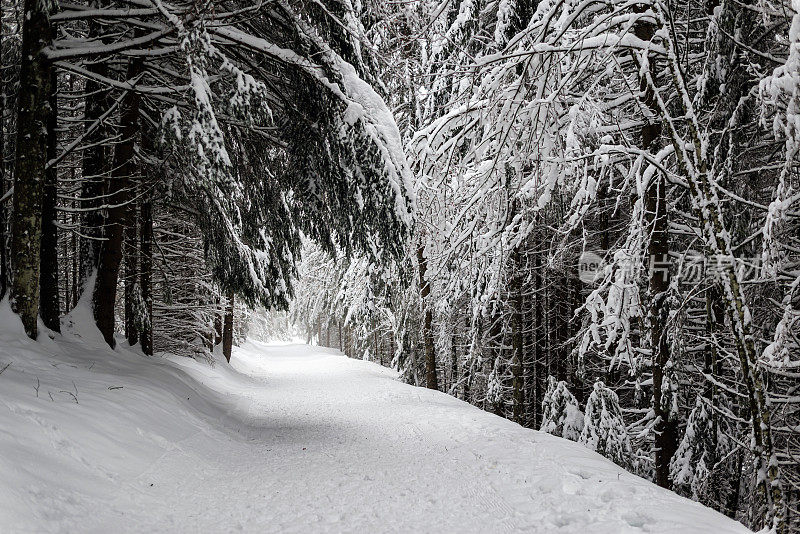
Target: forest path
pixel 293 439
pixel 337 444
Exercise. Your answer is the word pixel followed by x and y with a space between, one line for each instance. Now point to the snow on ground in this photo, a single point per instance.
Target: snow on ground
pixel 286 439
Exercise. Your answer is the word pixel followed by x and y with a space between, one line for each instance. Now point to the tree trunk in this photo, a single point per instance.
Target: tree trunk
pixel 146 274
pixel 218 318
pixel 49 302
pixel 105 289
pixel 528 362
pixel 29 164
pixel 3 184
pixel 665 427
pixel 74 246
pixel 540 336
pixel 131 252
pixel 452 388
pixel 95 166
pixel 65 266
pixel 563 313
pixel 715 317
pixel 517 340
pixel 227 329
pixel 427 328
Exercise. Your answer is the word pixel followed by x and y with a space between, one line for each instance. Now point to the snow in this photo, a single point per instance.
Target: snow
pixel 363 103
pixel 286 438
pixel 379 123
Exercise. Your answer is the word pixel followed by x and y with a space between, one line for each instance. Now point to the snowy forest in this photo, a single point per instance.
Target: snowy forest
pixel 579 215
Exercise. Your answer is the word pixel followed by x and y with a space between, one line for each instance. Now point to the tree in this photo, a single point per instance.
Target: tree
pixel 561 415
pixel 227 329
pixel 692 467
pixel 30 163
pixel 120 212
pixel 431 380
pixel 50 309
pixel 604 429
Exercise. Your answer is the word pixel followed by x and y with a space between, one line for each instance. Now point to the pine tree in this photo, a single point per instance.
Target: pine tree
pixel 561 415
pixel 604 429
pixel 703 444
pixel 494 388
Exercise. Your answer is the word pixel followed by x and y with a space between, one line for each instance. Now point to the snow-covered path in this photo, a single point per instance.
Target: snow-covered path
pixel 292 439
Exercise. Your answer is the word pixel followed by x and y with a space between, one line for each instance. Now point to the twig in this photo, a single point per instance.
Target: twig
pixel 4 368
pixel 71 394
pixel 74 395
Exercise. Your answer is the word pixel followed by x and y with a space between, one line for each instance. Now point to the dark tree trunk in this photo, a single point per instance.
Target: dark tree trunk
pixel 665 428
pixel 715 317
pixel 49 302
pixel 218 316
pixel 74 246
pixel 528 362
pixel 453 361
pixel 3 224
pixel 540 335
pixel 468 368
pixel 146 274
pixel 105 290
pixel 29 164
pixel 227 330
pixel 71 262
pixel 3 184
pixel 493 363
pixel 95 165
pixel 517 340
pixel 131 250
pixel 65 266
pixel 427 327
pixel 548 321
pixel 391 349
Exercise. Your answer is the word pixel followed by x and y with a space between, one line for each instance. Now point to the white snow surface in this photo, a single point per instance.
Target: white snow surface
pixel 286 438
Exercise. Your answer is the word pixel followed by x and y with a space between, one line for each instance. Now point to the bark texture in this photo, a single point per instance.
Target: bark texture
pixel 227 329
pixel 29 165
pixel 49 306
pixel 119 198
pixel 431 380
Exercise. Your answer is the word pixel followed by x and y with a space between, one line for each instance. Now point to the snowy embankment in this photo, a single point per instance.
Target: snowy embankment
pixel 290 438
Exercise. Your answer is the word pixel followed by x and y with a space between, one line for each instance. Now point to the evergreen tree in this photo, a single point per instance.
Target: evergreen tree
pixel 703 444
pixel 561 415
pixel 604 429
